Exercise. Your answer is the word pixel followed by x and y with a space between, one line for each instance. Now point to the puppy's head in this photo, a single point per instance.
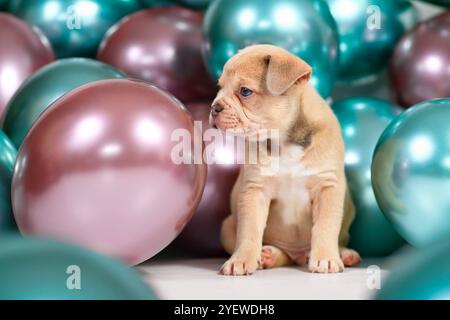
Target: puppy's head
pixel 259 89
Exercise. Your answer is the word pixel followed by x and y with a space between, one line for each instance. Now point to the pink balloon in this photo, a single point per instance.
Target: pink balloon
pixel 419 69
pixel 23 50
pixel 162 46
pixel 202 234
pixel 96 169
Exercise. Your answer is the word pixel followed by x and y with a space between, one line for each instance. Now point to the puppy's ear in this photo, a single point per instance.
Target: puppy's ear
pixel 283 71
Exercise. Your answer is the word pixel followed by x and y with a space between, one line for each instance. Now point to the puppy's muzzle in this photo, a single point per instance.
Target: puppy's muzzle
pixel 216 109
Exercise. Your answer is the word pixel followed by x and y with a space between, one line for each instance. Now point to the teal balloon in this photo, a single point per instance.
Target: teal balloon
pixel 37 269
pixel 411 172
pixel 45 87
pixel 368 32
pixel 8 152
pixel 75 28
pixel 363 120
pixel 419 275
pixel 304 27
pixel 444 3
pixel 196 4
pixel 158 3
pixel 8 155
pixel 3 4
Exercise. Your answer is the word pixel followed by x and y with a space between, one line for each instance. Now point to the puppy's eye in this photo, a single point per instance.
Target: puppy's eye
pixel 245 92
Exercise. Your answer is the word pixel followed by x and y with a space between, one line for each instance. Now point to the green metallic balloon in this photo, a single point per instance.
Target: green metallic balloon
pixel 45 87
pixel 368 32
pixel 38 269
pixel 419 275
pixel 196 4
pixel 304 27
pixel 8 152
pixel 4 4
pixel 75 28
pixel 158 3
pixel 8 155
pixel 444 3
pixel 363 120
pixel 411 172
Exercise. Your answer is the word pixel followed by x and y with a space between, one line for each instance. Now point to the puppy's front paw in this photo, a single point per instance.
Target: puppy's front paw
pixel 240 265
pixel 324 264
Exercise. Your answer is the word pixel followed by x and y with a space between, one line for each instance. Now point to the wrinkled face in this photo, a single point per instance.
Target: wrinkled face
pixel 259 90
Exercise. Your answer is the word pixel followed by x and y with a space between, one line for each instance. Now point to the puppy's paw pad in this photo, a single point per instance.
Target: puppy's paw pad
pixel 350 257
pixel 237 266
pixel 268 257
pixel 333 265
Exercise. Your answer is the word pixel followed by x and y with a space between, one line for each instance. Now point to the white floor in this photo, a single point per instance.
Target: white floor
pixel 198 280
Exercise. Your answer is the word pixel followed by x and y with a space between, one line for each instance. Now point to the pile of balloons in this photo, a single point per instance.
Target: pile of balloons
pixel 91 92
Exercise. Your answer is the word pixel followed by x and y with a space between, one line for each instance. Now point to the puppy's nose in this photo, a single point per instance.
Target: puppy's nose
pixel 216 109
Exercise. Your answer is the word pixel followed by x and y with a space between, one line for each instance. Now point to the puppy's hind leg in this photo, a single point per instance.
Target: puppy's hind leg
pixel 349 256
pixel 272 257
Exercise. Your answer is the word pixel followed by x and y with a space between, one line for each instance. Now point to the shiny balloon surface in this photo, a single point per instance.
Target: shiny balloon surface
pixel 304 27
pixel 411 172
pixel 368 32
pixel 38 269
pixel 196 4
pixel 8 156
pixel 45 87
pixel 363 120
pixel 444 3
pixel 23 50
pixel 158 3
pixel 74 27
pixel 4 4
pixel 163 47
pixel 102 168
pixel 419 68
pixel 419 275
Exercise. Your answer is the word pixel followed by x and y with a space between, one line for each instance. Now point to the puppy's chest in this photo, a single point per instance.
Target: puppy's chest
pixel 291 193
pixel 286 165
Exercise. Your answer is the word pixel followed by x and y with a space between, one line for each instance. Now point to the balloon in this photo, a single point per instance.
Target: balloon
pixel 158 3
pixel 7 158
pixel 374 89
pixel 22 52
pixel 304 27
pixel 8 152
pixel 411 172
pixel 368 31
pixel 3 4
pixel 162 46
pixel 419 67
pixel 45 87
pixel 39 269
pixel 363 120
pixel 444 3
pixel 419 275
pixel 99 169
pixel 74 27
pixel 196 4
pixel 202 234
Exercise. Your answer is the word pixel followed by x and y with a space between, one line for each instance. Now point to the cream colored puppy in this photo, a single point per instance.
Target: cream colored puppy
pixel 298 210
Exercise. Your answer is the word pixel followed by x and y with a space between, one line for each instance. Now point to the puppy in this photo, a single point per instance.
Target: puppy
pixel 299 211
